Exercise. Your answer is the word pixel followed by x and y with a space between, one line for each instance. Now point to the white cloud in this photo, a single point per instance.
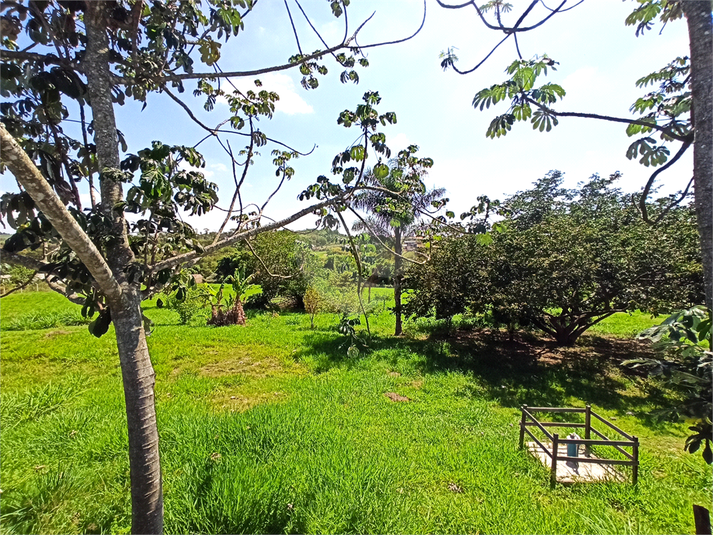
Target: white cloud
pixel 290 101
pixel 219 167
pixel 581 84
pixel 399 142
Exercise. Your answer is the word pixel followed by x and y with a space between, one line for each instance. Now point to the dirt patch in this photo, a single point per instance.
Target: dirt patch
pixel 59 332
pixel 394 374
pixel 536 347
pixel 393 396
pixel 242 402
pixel 243 366
pixel 417 384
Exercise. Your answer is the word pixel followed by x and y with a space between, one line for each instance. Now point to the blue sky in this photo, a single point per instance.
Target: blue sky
pixel 599 61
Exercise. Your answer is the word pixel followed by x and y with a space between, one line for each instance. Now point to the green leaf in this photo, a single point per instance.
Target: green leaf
pixel 707 453
pixel 381 171
pixel 357 153
pixel 100 326
pixel 484 239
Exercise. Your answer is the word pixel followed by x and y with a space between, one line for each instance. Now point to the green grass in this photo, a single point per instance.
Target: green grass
pixel 271 428
pixel 626 325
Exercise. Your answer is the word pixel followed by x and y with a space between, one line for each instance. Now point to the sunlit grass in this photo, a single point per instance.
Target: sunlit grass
pixel 270 428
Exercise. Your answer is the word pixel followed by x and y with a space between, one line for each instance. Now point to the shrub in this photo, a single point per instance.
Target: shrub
pixel 312 301
pixel 196 300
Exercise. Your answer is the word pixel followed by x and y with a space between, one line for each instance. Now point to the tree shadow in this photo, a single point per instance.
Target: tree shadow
pixel 514 370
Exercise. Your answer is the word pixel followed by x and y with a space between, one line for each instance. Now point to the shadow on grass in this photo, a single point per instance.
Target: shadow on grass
pixel 523 369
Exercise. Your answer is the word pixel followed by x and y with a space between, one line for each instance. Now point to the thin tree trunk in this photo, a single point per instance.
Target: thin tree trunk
pixel 398 262
pixel 139 379
pixel 700 35
pixel 239 311
pixel 137 372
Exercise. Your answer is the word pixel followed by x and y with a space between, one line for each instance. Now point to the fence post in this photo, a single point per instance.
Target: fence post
pixel 555 448
pixel 523 408
pixel 635 467
pixel 587 428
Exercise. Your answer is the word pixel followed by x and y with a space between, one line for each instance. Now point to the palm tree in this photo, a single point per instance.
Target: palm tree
pixel 395 207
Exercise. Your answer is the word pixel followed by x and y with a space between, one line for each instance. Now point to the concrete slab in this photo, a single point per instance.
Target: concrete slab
pixel 581 473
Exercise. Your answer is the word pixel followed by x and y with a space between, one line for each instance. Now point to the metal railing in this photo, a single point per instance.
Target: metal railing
pixel 528 420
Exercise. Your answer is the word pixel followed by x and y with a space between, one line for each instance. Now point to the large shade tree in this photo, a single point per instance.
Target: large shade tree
pixel 676 112
pixel 564 260
pixel 394 203
pixel 73 63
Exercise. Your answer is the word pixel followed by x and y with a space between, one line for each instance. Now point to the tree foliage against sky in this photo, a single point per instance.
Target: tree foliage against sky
pixel 677 110
pixel 394 208
pixel 66 66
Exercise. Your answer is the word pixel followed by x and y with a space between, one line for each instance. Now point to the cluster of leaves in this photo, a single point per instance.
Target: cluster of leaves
pixel 277 253
pixel 231 311
pixel 244 106
pixel 520 90
pixel 562 260
pixel 17 275
pixel 194 301
pixel 668 106
pixel 354 343
pixel 644 16
pixel 367 119
pixel 685 364
pixel 666 110
pixel 312 301
pixel 396 198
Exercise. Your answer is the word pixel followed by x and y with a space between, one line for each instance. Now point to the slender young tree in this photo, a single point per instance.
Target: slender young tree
pixel 81 59
pixel 394 203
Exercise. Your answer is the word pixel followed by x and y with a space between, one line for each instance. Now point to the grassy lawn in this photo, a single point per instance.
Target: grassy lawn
pixel 270 428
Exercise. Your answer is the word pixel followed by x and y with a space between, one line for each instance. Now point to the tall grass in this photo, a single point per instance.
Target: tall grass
pixel 46 320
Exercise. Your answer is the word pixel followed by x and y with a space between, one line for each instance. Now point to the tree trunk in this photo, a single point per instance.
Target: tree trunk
pixel 139 379
pixel 700 35
pixel 136 369
pixel 398 262
pixel 239 311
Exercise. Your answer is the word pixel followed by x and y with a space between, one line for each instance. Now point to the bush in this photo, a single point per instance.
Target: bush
pixel 196 300
pixel 312 301
pixel 563 260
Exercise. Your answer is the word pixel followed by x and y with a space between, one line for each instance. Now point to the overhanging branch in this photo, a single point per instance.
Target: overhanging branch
pixel 46 199
pixel 686 139
pixel 188 257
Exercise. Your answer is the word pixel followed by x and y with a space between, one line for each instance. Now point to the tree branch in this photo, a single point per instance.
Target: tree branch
pixel 188 257
pixel 650 182
pixel 675 202
pixel 45 59
pixel 294 30
pixel 360 273
pixel 262 263
pixel 665 130
pixel 24 261
pixel 516 27
pixel 389 249
pixel 46 199
pixel 21 286
pixel 238 185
